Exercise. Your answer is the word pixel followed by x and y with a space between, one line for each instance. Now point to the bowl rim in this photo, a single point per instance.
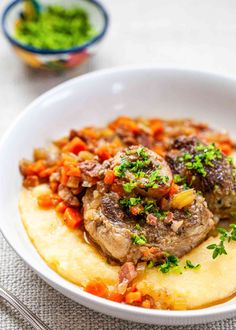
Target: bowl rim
pixel 89 300
pixel 42 51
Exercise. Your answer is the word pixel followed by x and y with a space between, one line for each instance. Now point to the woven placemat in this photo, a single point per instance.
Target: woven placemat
pixel 58 311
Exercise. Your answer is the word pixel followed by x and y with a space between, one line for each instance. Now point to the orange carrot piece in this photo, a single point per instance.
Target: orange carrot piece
pixel 75 146
pixel 156 127
pixel 226 148
pixel 54 186
pixel 126 122
pixel 133 297
pixel 115 296
pixel 61 207
pixel 45 201
pixel 104 152
pixel 109 177
pixel 64 177
pixel 47 172
pixel 72 218
pixel 97 288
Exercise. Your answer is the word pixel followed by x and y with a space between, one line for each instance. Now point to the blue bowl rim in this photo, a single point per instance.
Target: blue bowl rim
pixel 57 51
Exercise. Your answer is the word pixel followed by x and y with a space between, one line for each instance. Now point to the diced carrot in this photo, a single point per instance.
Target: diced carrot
pixel 125 122
pixel 173 189
pixel 97 288
pixel 47 172
pixel 72 217
pixel 146 303
pixel 54 186
pixel 115 296
pixel 74 171
pixel 75 146
pixel 64 177
pixel 104 152
pixel 156 127
pixel 89 132
pixel 133 297
pixel 61 143
pixel 159 150
pixel 45 201
pixel 109 177
pixel 61 207
pixel 226 148
pixel 35 168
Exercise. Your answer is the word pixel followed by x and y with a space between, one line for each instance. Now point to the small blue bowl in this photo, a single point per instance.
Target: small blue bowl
pixel 62 58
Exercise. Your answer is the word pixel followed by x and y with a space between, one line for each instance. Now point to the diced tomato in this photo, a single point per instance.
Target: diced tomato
pixel 109 177
pixel 97 288
pixel 73 218
pixel 75 146
pixel 133 297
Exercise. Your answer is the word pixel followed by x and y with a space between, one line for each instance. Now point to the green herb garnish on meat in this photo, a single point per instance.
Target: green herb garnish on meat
pixel 155 178
pixel 178 178
pixel 129 186
pixel 138 239
pixel 132 201
pixel 226 236
pixel 206 155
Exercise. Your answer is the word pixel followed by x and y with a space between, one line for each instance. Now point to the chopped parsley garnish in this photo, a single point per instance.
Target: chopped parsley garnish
pixel 233 214
pixel 132 201
pixel 190 265
pixel 230 160
pixel 177 178
pixel 129 186
pixel 138 239
pixel 156 178
pixel 137 226
pixel 206 155
pixel 219 249
pixel 171 263
pixel 142 153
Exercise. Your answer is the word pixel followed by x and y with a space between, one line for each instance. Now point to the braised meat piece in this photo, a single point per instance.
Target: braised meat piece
pixel 143 171
pixel 207 170
pixel 124 238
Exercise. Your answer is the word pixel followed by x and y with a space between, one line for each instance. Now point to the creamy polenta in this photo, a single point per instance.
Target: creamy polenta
pixel 67 253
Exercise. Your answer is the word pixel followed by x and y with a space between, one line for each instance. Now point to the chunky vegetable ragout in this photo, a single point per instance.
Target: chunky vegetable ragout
pixel 145 192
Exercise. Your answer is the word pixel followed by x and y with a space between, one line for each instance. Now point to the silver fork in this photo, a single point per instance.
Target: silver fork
pixel 24 311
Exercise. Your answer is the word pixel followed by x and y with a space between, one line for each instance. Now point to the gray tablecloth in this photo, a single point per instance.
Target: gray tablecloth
pixel 58 311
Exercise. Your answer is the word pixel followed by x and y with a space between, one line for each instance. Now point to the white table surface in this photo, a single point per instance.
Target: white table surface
pixel 196 34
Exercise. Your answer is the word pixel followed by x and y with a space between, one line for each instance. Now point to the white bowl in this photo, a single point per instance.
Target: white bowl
pixel 94 99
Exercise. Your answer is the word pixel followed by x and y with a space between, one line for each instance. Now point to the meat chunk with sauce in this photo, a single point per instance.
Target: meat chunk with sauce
pixel 206 169
pixel 142 170
pixel 126 238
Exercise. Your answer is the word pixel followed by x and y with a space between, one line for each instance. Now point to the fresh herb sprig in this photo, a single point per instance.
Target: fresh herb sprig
pixel 226 236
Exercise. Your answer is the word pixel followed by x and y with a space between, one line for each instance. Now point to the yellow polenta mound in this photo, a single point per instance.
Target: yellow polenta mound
pixel 67 253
